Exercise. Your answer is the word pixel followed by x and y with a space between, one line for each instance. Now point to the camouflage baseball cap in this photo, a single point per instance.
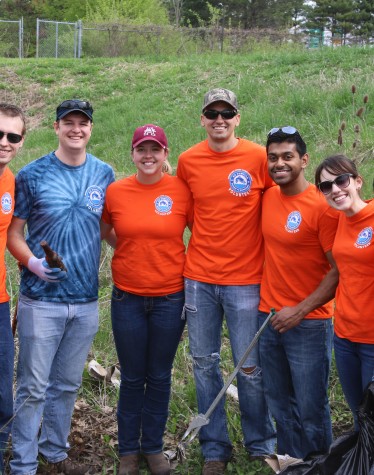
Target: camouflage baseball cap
pixel 223 95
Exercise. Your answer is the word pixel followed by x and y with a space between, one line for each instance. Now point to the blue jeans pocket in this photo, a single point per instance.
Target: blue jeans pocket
pixel 176 297
pixel 118 295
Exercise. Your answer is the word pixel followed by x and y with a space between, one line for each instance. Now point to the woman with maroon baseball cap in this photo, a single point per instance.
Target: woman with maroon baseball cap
pixel 148 212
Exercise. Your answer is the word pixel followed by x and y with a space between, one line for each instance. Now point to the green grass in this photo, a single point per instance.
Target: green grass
pixel 310 89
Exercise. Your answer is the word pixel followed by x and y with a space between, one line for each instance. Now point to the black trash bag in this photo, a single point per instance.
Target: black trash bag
pixel 350 454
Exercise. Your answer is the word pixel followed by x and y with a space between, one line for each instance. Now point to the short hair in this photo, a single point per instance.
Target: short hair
pixel 336 165
pixel 280 137
pixel 11 110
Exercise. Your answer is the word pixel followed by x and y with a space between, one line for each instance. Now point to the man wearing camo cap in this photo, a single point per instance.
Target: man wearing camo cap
pixel 227 176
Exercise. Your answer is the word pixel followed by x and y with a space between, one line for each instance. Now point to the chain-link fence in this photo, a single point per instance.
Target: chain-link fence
pixel 11 38
pixel 58 39
pixel 119 40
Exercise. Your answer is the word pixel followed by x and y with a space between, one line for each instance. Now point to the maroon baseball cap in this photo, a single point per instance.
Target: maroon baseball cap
pixel 149 132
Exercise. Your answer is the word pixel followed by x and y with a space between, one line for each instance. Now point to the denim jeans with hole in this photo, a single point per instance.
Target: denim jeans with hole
pixel 206 306
pixel 355 365
pixel 296 367
pixel 54 340
pixel 147 331
pixel 6 378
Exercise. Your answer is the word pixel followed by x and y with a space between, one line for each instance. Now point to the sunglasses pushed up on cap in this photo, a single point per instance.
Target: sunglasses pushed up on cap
pixel 341 181
pixel 287 130
pixel 74 105
pixel 11 137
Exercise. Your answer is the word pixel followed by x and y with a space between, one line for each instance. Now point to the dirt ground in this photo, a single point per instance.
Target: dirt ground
pixel 87 442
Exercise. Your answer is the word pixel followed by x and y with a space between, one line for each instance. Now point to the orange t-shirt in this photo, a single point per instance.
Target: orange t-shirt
pixel 353 252
pixel 6 213
pixel 226 245
pixel 149 221
pixel 298 230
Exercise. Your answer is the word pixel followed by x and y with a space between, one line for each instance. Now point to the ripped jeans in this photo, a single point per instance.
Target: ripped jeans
pixel 206 305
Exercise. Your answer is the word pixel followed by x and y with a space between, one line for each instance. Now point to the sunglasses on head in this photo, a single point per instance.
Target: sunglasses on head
pixel 288 130
pixel 212 114
pixel 71 104
pixel 12 138
pixel 341 181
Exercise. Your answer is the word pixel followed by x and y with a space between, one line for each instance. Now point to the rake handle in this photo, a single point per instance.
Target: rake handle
pixel 239 365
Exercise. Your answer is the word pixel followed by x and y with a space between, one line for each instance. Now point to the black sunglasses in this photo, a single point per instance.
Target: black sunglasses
pixel 288 130
pixel 12 138
pixel 341 181
pixel 83 105
pixel 212 114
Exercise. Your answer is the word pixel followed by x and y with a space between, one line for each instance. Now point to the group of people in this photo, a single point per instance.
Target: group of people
pixel 262 237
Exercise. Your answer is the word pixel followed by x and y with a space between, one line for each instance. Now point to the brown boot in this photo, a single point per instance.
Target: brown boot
pixel 157 464
pixel 214 467
pixel 129 465
pixel 69 467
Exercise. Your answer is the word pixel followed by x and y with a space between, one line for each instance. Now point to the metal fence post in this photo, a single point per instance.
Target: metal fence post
pixel 37 37
pixel 20 39
pixel 75 43
pixel 56 44
pixel 80 32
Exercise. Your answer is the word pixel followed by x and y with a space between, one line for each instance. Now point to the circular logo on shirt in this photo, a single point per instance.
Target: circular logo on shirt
pixel 163 204
pixel 364 238
pixel 293 221
pixel 95 197
pixel 240 182
pixel 6 203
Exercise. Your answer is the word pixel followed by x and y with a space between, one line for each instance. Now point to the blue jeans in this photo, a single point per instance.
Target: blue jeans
pixel 146 331
pixel 6 378
pixel 206 305
pixel 54 340
pixel 296 367
pixel 355 365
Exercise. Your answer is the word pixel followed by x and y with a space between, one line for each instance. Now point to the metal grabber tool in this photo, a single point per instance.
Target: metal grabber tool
pixel 203 419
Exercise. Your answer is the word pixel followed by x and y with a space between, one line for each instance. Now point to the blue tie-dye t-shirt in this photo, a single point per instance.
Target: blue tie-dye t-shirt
pixel 62 205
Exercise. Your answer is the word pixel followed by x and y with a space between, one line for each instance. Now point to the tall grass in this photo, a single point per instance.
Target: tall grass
pixel 311 90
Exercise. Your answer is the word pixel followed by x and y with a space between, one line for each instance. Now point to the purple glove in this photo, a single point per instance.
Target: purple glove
pixel 44 272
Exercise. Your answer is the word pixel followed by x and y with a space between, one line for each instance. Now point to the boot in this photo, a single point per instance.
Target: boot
pixel 129 465
pixel 157 464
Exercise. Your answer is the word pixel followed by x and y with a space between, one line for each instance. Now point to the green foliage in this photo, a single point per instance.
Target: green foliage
pixel 15 9
pixel 129 11
pixel 364 19
pixel 342 17
pixel 58 10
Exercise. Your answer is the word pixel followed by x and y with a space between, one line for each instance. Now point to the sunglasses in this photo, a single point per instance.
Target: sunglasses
pixel 83 105
pixel 341 181
pixel 12 138
pixel 212 114
pixel 288 130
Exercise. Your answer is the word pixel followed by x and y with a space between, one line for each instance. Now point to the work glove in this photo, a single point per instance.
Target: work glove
pixel 44 272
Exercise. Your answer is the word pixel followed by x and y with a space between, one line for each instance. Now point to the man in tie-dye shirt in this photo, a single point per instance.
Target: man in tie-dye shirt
pixel 60 198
